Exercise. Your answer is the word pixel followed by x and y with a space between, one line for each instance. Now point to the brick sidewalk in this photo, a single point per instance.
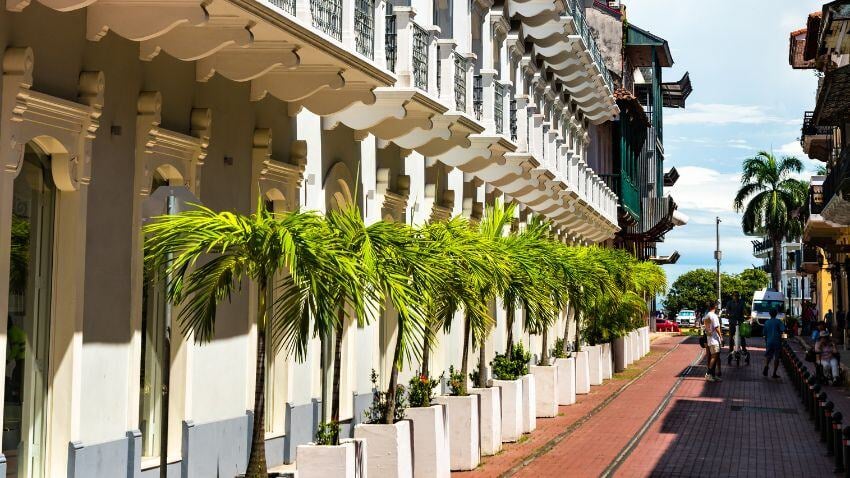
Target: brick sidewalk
pixel 570 417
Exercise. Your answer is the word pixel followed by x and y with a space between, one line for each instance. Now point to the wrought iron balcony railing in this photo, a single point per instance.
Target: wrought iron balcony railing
pixel 838 175
pixel 513 119
pixel 477 96
pixel 364 27
pixel 287 6
pixel 420 57
pixel 809 127
pixel 327 17
pixel 390 39
pixel 498 107
pixel 762 246
pixel 577 10
pixel 461 65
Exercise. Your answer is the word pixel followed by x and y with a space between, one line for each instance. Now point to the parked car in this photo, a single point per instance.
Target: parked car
pixel 686 318
pixel 664 325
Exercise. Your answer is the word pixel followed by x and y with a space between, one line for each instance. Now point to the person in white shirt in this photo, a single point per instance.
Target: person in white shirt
pixel 714 339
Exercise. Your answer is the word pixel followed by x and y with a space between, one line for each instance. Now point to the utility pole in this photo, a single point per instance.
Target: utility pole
pixel 717 256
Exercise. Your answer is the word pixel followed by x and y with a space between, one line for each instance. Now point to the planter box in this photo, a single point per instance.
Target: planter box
pixel 490 419
pixel 635 355
pixel 620 350
pixel 594 361
pixel 389 454
pixel 315 461
pixel 464 453
pixel 529 404
pixel 511 409
pixel 607 365
pixel 566 380
pixel 582 373
pixel 546 390
pixel 431 442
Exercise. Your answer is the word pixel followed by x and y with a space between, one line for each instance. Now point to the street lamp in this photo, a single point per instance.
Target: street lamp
pixel 717 256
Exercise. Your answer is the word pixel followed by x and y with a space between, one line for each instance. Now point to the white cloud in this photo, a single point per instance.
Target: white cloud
pixel 791 149
pixel 705 190
pixel 721 114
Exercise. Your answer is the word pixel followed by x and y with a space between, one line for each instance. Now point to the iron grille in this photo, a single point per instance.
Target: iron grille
pixel 513 120
pixel 327 16
pixel 390 38
pixel 498 108
pixel 460 81
pixel 420 57
pixel 477 96
pixel 364 27
pixel 439 74
pixel 287 6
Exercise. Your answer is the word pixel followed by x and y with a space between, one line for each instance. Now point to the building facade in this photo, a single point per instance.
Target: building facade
pixel 113 112
pixel 794 284
pixel 823 46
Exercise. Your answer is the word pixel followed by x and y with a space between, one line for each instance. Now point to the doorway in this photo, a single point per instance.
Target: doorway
pixel 28 329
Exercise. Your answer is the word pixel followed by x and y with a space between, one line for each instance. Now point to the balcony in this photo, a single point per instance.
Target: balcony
pixel 817 141
pixel 836 191
pixel 810 259
pixel 762 249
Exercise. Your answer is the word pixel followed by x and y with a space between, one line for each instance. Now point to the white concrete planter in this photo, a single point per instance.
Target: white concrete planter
pixel 430 442
pixel 594 363
pixel 620 350
pixel 529 404
pixel 582 373
pixel 635 346
pixel 511 409
pixel 630 349
pixel 389 453
pixel 315 461
pixel 566 380
pixel 607 365
pixel 464 453
pixel 546 390
pixel 490 418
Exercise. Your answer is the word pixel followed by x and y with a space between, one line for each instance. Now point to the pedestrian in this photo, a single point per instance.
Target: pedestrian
pixel 820 327
pixel 714 340
pixel 772 332
pixel 808 317
pixel 828 319
pixel 841 323
pixel 827 356
pixel 735 308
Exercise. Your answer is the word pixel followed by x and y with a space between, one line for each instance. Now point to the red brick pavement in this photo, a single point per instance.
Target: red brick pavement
pixel 570 418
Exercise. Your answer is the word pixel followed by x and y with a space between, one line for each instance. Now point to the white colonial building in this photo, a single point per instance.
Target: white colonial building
pixel 111 108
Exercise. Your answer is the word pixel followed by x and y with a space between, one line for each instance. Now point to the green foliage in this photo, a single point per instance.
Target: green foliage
pixel 511 367
pixel 457 382
pixel 327 434
pixel 693 289
pixel 420 390
pixel 19 257
pixel 379 411
pixel 560 349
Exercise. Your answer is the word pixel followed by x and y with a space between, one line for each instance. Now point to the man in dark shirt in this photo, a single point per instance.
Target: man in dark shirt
pixel 773 330
pixel 735 309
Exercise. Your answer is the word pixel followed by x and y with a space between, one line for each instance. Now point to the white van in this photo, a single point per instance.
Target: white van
pixel 763 301
pixel 686 318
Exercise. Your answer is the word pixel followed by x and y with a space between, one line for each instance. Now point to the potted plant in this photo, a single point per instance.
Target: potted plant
pixel 566 373
pixel 462 411
pixel 489 414
pixel 430 429
pixel 507 375
pixel 594 364
pixel 387 437
pixel 322 458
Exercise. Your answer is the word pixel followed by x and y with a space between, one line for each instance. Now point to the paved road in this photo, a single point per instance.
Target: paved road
pixel 670 422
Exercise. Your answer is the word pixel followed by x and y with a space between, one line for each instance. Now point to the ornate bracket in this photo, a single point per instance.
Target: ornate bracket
pixel 278 180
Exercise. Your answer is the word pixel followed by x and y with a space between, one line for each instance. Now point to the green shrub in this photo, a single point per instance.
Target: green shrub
pixel 511 367
pixel 420 390
pixel 377 412
pixel 327 434
pixel 559 350
pixel 456 382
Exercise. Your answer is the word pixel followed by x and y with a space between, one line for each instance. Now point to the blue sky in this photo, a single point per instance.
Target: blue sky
pixel 746 98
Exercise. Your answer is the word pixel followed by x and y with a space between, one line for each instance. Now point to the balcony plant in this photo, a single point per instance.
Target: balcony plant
pixel 207 255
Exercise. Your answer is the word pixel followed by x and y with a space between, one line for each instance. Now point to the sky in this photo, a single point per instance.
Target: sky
pixel 746 98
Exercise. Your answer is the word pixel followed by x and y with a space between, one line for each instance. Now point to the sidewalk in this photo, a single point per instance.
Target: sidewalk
pixel 660 423
pixel 570 418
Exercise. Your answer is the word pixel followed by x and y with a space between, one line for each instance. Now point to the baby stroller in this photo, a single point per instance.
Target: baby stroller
pixel 738 352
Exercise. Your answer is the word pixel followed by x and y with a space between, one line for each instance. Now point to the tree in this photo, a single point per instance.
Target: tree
pixel 769 198
pixel 693 289
pixel 206 256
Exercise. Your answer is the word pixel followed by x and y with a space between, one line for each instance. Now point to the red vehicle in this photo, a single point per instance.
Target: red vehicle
pixel 664 325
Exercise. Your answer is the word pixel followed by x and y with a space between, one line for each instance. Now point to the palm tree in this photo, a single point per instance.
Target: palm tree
pixel 769 197
pixel 206 256
pixel 606 271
